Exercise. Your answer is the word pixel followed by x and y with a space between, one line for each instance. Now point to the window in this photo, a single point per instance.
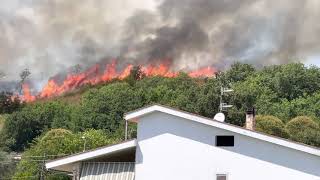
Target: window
pixel 225 141
pixel 221 177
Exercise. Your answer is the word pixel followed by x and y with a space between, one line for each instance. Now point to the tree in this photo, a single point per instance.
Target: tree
pixel 104 108
pixel 23 76
pixel 237 72
pixel 304 129
pixel 271 125
pixel 207 97
pixel 57 143
pixel 294 80
pixel 302 106
pixel 21 127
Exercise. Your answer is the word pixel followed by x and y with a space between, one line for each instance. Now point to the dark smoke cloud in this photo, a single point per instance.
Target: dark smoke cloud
pixel 212 32
pixel 50 36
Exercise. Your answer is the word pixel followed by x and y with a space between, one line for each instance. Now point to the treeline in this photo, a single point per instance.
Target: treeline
pixel 287 99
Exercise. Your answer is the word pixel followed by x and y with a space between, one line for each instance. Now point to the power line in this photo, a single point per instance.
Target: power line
pixel 50 155
pixel 40 160
pixel 8 162
pixel 23 177
pixel 32 158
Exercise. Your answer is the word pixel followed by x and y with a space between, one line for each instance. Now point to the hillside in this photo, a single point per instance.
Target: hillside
pixel 287 99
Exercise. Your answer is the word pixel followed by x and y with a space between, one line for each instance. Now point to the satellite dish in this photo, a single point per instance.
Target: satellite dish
pixel 219 117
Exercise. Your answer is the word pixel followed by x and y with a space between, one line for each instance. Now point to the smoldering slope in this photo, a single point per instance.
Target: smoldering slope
pixel 50 36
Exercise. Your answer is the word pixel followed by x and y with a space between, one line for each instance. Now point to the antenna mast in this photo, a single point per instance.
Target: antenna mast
pixel 224 106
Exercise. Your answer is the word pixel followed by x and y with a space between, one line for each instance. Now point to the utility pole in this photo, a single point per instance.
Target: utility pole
pixel 224 106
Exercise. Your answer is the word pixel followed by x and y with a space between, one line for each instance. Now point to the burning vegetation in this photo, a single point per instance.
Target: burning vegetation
pixel 105 73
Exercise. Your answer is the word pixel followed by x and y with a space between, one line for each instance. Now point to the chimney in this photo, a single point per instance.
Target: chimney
pixel 251 119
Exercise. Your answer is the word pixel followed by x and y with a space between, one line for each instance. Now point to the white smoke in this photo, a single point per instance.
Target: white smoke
pixel 50 36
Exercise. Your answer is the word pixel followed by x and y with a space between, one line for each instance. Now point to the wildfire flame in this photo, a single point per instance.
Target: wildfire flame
pixel 92 76
pixel 27 94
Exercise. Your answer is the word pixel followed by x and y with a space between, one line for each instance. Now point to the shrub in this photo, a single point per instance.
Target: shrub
pixel 304 129
pixel 271 125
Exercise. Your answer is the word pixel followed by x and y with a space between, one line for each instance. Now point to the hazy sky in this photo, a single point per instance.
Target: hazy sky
pixel 314 61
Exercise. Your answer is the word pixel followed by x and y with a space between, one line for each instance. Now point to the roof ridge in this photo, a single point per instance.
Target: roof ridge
pixel 135 114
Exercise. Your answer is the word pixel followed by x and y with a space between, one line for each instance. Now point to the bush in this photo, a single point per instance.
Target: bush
pixel 271 125
pixel 57 143
pixel 304 129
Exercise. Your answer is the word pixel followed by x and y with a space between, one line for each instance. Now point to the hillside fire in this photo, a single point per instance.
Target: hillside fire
pixel 94 75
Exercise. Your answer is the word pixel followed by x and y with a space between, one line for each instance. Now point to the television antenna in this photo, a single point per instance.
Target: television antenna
pixel 224 106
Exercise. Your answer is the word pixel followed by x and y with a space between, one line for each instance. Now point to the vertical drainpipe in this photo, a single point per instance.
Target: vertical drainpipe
pixel 126 131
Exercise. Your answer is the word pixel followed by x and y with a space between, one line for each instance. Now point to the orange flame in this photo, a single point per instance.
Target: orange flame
pixel 27 97
pixel 92 76
pixel 126 72
pixel 204 72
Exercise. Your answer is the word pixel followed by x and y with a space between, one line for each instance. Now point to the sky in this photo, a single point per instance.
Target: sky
pixel 314 61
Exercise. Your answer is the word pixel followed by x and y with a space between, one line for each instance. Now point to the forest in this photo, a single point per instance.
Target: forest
pixel 286 97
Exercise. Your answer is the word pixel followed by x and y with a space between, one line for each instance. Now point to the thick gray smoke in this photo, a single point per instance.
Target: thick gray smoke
pixel 50 36
pixel 205 32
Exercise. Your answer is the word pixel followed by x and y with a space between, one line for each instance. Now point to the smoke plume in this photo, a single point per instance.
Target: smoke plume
pixel 51 36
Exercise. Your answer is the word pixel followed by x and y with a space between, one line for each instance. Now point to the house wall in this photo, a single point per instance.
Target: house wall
pixel 172 148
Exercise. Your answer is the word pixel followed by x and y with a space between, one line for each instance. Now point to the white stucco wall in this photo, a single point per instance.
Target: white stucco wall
pixel 172 148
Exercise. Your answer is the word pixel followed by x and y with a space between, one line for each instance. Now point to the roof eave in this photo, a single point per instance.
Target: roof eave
pixel 91 154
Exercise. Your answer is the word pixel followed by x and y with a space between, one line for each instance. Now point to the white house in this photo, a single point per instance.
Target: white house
pixel 176 145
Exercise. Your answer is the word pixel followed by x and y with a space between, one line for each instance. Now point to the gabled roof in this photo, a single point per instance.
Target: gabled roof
pixel 92 154
pixel 135 115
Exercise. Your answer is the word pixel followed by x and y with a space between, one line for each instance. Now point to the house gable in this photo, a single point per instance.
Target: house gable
pixel 186 149
pixel 135 116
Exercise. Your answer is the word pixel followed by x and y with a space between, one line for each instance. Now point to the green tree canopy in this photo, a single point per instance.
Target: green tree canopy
pixel 285 91
pixel 21 127
pixel 237 72
pixel 103 108
pixel 58 143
